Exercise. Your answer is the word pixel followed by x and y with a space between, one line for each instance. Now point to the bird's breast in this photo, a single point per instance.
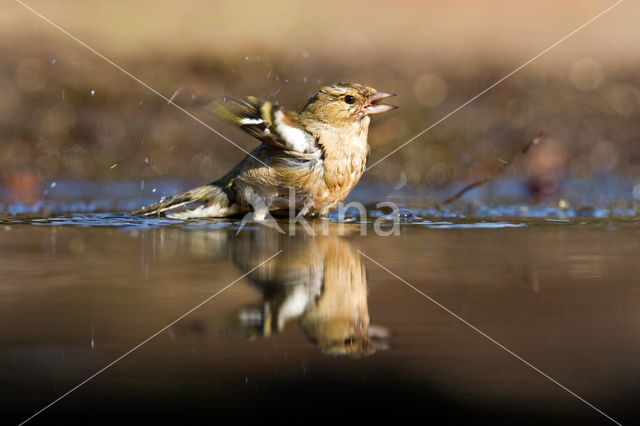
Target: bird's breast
pixel 343 165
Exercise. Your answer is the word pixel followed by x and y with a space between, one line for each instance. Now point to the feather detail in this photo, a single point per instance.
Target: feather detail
pixel 208 195
pixel 267 122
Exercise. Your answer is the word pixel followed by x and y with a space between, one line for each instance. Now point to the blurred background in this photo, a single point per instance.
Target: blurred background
pixel 66 115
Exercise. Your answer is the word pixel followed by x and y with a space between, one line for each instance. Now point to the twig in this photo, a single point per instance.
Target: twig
pixel 493 173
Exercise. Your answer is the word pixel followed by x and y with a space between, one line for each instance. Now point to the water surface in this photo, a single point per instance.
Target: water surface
pixel 320 328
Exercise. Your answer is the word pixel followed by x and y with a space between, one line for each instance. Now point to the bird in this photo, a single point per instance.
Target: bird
pixel 307 161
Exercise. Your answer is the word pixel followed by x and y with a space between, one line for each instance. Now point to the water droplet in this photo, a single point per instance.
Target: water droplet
pixel 93 342
pixel 174 95
pixel 146 160
pixel 53 184
pixel 153 190
pixel 93 92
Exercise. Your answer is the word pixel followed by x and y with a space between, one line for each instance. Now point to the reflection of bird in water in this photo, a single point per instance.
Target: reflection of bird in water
pixel 319 282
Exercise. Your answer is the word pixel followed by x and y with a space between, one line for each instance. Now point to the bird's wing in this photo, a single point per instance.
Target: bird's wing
pixel 268 122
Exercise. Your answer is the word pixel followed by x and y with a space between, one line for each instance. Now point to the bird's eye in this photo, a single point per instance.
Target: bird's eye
pixel 350 99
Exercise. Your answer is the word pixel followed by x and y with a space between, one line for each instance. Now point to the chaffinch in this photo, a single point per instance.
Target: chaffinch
pixel 311 160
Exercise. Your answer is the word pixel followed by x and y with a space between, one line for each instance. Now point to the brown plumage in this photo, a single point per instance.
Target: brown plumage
pixel 311 160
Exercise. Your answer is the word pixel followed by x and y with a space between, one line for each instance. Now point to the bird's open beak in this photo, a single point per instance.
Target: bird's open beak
pixel 375 107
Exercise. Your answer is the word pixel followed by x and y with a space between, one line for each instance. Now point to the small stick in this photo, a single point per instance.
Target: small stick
pixel 493 173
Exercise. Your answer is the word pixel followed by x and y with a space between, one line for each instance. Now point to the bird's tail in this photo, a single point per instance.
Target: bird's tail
pixel 206 194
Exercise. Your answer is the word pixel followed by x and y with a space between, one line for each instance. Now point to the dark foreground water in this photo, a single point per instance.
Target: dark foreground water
pixel 320 331
pixel 202 322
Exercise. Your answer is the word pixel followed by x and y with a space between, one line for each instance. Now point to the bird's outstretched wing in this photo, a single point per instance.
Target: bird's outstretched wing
pixel 268 122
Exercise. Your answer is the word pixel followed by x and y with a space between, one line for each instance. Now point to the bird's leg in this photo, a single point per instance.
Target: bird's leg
pixel 300 217
pixel 308 203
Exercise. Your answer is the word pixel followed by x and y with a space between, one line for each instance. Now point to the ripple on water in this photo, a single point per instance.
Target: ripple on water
pixel 464 217
pixel 473 225
pixel 124 222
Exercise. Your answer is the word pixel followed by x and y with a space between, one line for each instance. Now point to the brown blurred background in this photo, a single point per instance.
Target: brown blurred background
pixel 67 114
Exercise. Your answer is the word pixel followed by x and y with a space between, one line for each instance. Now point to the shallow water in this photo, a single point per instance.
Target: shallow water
pixel 319 326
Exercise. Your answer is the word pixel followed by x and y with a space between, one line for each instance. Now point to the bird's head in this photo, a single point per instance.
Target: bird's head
pixel 346 103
